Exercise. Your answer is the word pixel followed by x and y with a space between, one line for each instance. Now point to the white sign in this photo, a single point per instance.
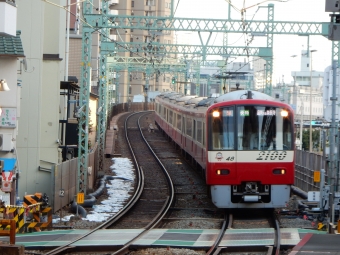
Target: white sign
pixel 6 198
pixel 8 117
pixel 313 196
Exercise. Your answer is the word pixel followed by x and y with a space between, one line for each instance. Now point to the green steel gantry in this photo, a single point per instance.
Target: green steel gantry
pixel 103 22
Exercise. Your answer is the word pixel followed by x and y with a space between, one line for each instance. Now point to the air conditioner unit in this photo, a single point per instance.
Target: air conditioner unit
pixel 113 12
pixel 6 142
pixel 113 2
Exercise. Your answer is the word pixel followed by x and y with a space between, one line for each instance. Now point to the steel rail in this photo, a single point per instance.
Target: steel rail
pixel 167 204
pixel 214 248
pixel 277 245
pixel 120 213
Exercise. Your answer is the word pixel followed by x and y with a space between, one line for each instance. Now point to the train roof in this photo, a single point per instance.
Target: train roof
pixel 243 94
pixel 185 98
pixel 194 101
pixel 206 102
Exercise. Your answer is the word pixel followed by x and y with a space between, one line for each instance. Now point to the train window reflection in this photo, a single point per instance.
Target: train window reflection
pixel 263 128
pixel 223 131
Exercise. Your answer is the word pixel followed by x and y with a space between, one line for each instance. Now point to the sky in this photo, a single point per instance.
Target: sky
pixel 284 46
pixel 117 189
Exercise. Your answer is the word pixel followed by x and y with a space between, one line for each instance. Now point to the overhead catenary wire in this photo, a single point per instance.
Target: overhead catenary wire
pixel 137 53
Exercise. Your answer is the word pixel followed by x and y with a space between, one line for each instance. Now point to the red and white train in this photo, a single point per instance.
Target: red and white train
pixel 243 141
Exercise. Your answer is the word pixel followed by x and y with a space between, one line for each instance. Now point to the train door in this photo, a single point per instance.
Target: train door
pixel 194 137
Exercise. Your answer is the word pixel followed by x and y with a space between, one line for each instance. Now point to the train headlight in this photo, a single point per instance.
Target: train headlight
pixel 284 113
pixel 222 172
pixel 279 171
pixel 216 114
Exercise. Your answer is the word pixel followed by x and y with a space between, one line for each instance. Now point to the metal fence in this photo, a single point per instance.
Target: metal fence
pixel 305 165
pixel 65 178
pixel 132 107
pixel 65 175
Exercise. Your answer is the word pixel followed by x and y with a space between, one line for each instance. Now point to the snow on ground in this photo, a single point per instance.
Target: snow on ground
pixel 117 190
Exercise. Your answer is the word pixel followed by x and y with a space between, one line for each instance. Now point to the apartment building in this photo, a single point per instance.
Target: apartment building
pixel 133 82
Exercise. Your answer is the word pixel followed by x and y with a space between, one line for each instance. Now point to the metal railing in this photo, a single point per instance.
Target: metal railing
pixel 305 165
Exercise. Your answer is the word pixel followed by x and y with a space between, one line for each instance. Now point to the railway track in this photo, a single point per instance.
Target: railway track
pixel 261 220
pixel 190 208
pixel 144 210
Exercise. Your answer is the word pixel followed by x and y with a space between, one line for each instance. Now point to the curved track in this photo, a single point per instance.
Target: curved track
pixel 147 165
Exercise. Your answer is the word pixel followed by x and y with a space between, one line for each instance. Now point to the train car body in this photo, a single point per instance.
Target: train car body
pixel 243 141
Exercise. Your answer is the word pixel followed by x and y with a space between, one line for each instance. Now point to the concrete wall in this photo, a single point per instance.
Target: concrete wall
pixel 43 32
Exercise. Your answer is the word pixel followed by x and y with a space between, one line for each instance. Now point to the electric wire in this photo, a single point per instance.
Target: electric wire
pixel 125 47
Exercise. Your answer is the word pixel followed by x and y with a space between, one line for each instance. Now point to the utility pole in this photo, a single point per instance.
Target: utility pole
pixel 333 164
pixel 310 104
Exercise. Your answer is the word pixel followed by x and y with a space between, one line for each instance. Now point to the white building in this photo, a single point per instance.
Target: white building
pixel 306 90
pixel 259 67
pixel 42 28
pixel 11 56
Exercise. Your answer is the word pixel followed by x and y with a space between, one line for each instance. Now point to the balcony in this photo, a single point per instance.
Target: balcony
pixel 8 18
pixel 113 2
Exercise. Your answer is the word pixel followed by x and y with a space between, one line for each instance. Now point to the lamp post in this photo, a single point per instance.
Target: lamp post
pixel 310 102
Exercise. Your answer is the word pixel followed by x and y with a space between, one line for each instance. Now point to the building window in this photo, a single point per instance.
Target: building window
pixel 147 39
pixel 148 13
pixel 150 2
pixel 132 3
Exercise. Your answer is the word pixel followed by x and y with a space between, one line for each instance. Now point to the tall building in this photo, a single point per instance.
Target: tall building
pixel 307 90
pixel 259 67
pixel 133 82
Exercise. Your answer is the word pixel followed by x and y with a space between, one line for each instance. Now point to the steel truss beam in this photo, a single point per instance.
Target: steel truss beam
pixel 209 25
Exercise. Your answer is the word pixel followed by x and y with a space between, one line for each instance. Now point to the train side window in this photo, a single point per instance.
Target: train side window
pixel 199 131
pixel 183 125
pixel 179 122
pixel 170 116
pixel 189 127
pixel 164 112
pixel 194 130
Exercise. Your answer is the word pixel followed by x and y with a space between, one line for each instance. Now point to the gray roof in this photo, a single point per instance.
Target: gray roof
pixel 11 46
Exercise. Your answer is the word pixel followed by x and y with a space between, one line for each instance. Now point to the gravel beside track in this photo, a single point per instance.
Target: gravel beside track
pixel 156 189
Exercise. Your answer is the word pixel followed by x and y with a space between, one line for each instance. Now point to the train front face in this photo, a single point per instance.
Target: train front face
pixel 250 161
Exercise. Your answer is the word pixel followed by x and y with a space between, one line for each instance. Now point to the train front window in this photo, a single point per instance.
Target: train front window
pixel 222 135
pixel 263 128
